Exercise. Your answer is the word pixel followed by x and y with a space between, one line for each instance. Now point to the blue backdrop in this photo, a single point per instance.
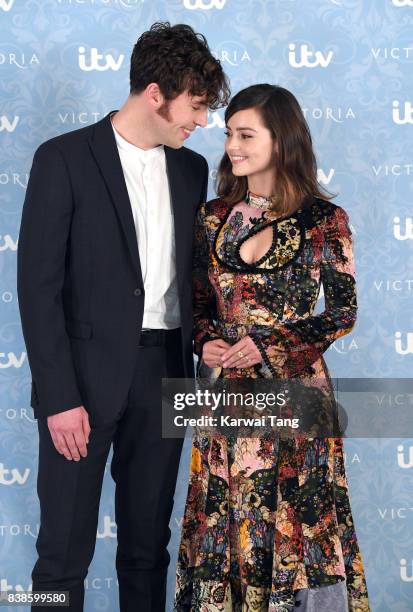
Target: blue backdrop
pixel 65 64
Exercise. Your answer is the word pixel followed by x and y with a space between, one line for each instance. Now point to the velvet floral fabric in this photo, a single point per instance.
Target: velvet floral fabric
pixel 267 517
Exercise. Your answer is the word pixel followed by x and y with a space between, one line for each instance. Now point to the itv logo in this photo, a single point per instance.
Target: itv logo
pixel 200 5
pixel 13 476
pixel 407 233
pixel 303 57
pixel 406 117
pixel 7 125
pixel 7 243
pixel 324 177
pixel 403 571
pixel 402 461
pixel 98 61
pixel 6 5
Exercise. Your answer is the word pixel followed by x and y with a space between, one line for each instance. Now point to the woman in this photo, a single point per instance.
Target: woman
pixel 267 523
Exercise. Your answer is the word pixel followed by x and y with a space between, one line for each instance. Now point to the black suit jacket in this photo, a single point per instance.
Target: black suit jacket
pixel 79 282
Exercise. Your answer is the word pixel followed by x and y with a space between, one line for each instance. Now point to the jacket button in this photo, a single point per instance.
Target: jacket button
pixel 137 291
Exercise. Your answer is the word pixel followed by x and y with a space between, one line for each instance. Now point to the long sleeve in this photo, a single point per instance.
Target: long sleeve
pixel 204 297
pixel 41 258
pixel 293 346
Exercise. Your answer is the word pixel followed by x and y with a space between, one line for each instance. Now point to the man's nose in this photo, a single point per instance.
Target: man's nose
pixel 203 119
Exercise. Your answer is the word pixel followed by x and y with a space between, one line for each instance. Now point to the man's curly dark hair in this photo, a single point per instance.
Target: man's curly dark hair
pixel 178 59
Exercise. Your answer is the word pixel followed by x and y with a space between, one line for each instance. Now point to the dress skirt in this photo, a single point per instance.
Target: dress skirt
pixel 268 528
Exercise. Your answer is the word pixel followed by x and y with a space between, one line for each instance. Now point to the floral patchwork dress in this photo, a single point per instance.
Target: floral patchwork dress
pixel 268 524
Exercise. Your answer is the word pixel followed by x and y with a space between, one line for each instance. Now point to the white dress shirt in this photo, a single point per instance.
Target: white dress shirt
pixel 148 189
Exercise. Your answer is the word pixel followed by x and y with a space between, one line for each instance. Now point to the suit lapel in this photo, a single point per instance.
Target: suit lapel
pixel 105 152
pixel 183 218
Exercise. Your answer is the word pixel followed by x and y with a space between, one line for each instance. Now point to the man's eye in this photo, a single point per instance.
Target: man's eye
pixel 196 107
pixel 226 133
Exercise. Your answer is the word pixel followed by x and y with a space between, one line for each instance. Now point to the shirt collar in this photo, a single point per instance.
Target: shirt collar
pixel 144 155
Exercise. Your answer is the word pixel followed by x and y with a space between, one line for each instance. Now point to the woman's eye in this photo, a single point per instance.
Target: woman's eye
pixel 195 108
pixel 242 135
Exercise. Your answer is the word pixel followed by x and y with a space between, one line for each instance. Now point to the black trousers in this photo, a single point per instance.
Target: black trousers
pixel 144 468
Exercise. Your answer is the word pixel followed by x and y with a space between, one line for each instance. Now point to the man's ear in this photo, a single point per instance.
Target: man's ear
pixel 154 95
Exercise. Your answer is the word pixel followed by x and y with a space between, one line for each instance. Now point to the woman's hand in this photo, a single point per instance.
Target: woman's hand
pixel 212 352
pixel 243 354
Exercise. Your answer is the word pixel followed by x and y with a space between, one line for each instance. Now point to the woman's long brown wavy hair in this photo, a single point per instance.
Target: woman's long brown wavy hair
pixel 295 163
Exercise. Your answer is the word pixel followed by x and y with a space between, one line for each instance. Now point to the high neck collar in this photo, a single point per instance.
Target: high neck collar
pixel 259 201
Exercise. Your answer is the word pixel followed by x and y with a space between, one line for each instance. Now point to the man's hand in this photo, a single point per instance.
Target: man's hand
pixel 243 354
pixel 212 352
pixel 70 432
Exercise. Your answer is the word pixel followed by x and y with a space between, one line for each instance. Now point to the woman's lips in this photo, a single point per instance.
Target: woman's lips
pixel 238 159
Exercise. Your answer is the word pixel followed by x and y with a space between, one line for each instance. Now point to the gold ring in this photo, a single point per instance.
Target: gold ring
pixel 240 353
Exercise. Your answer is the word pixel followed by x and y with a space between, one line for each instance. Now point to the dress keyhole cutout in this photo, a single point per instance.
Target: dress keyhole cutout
pixel 255 247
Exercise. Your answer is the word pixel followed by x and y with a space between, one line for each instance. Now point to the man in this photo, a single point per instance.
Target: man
pixel 104 287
